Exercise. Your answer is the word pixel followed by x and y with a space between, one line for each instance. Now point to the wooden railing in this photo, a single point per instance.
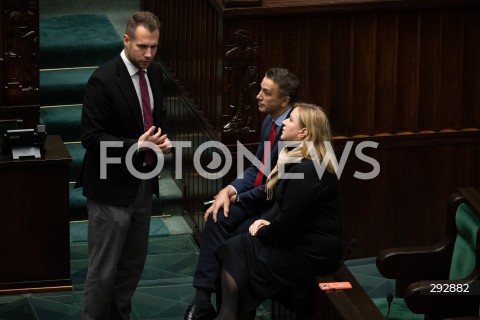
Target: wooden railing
pixel 187 126
pixel 189 49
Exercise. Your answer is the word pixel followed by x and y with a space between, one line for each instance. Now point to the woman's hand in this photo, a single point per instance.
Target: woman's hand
pixel 257 225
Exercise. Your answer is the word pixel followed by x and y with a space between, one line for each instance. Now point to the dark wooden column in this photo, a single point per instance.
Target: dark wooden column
pixel 19 55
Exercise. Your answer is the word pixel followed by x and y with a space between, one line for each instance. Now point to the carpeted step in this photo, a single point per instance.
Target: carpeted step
pixel 63 120
pixel 159 227
pixel 77 40
pixel 171 195
pixel 63 86
pixel 78 204
pixel 171 190
pixel 69 55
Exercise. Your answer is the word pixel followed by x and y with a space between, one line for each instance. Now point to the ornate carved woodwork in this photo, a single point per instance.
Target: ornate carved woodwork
pixel 19 60
pixel 241 82
pixel 21 49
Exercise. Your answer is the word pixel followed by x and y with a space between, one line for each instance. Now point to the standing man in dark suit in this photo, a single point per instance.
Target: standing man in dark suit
pixel 244 200
pixel 122 111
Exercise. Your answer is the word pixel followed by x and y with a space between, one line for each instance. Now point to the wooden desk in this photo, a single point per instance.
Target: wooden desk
pixel 34 224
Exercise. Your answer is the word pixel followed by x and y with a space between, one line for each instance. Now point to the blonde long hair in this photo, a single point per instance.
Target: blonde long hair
pixel 314 119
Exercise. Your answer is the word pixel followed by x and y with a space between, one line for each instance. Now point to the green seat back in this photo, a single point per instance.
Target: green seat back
pixel 464 255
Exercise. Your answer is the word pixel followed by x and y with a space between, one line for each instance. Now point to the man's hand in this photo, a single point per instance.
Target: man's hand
pixel 222 200
pixel 161 141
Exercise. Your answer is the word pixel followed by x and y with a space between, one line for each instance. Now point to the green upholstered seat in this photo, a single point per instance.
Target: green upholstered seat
pixel 464 252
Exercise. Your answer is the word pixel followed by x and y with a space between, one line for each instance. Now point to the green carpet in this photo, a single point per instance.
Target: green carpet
pixel 77 204
pixel 77 41
pixel 78 208
pixel 398 309
pixel 171 260
pixel 77 152
pixel 63 121
pixel 78 229
pixel 164 291
pixel 63 86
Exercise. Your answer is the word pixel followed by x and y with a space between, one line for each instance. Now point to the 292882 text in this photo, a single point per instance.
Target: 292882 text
pixel 453 288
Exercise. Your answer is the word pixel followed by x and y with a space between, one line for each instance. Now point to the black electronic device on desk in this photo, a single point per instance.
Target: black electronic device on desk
pixel 24 143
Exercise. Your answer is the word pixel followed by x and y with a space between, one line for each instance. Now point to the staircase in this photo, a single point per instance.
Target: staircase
pixel 74 39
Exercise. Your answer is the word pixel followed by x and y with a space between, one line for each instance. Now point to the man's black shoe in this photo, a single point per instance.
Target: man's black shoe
pixel 195 313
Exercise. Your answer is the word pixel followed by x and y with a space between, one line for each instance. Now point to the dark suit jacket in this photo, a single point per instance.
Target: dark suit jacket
pixel 253 200
pixel 111 112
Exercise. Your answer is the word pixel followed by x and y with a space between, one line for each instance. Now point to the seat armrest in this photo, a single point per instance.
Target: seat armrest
pixel 472 197
pixel 343 305
pixel 349 304
pixel 416 263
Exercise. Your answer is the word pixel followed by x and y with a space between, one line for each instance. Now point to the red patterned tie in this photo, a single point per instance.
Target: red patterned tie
pixel 271 139
pixel 147 111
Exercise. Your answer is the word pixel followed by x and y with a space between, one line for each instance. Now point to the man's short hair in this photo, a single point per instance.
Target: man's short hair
pixel 143 18
pixel 286 80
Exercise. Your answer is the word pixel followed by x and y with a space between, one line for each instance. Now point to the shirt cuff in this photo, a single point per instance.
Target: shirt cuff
pixel 233 188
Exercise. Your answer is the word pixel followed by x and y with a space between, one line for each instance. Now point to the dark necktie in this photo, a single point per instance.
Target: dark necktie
pixel 147 112
pixel 271 139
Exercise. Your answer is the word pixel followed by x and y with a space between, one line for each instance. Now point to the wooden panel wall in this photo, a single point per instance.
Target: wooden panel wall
pixel 406 203
pixel 403 73
pixel 379 72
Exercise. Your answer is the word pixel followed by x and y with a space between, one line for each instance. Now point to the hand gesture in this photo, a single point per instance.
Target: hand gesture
pixel 161 141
